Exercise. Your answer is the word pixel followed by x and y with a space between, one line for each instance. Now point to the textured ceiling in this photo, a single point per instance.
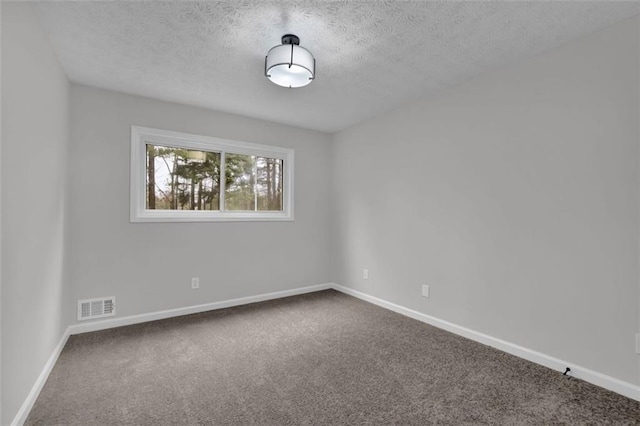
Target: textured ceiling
pixel 372 56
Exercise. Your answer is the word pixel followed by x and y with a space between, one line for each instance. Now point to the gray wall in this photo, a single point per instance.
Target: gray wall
pixel 0 222
pixel 34 157
pixel 148 266
pixel 514 196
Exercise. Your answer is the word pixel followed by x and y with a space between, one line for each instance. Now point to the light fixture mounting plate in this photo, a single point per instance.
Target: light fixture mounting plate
pixel 291 39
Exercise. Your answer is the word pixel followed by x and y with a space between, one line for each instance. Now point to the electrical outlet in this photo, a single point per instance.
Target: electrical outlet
pixel 638 343
pixel 195 283
pixel 425 290
pixel 365 274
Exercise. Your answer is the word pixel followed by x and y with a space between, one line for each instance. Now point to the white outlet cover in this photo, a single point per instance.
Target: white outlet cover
pixel 638 343
pixel 195 283
pixel 425 290
pixel 365 274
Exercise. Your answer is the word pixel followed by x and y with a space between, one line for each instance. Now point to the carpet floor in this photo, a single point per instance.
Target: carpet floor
pixel 320 358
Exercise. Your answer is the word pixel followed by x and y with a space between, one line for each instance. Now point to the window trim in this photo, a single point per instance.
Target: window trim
pixel 141 136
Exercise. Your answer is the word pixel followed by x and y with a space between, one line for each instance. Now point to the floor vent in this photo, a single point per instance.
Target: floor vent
pixel 96 308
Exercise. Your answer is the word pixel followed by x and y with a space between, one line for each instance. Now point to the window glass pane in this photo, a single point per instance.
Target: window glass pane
pixel 239 191
pixel 182 179
pixel 269 183
pixel 253 183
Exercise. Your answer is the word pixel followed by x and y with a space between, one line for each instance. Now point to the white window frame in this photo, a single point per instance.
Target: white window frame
pixel 141 136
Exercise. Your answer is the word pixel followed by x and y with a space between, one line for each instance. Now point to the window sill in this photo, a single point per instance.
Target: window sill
pixel 200 216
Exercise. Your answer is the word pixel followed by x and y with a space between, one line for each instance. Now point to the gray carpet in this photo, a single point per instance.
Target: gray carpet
pixel 321 358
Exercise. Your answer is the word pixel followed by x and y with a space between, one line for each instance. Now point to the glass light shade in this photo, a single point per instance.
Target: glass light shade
pixel 287 70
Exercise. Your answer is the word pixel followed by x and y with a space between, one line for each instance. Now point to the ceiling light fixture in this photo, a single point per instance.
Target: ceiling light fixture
pixel 290 65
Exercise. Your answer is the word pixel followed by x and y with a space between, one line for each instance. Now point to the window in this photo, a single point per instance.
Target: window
pixel 178 177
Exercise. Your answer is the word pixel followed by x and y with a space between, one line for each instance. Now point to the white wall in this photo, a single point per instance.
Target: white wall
pixel 514 196
pixel 148 266
pixel 34 152
pixel 0 221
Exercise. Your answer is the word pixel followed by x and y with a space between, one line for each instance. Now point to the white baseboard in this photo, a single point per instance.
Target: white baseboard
pixel 27 405
pixel 623 388
pixel 136 319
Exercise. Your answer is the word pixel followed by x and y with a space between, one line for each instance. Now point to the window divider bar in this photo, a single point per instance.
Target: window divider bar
pixel 223 180
pixel 255 183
